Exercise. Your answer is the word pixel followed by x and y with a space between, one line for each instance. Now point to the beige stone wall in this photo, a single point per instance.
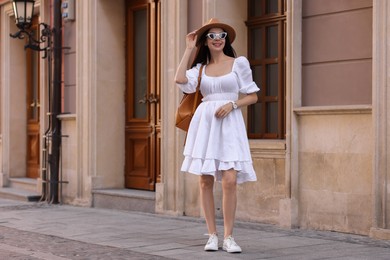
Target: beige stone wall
pixel 13 97
pixel 69 60
pixel 93 154
pixel 108 103
pixel 335 171
pixel 259 201
pixel 70 190
pixel 337 52
pixel 333 129
pixel 381 122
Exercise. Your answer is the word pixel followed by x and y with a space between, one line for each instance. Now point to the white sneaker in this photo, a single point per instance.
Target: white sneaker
pixel 230 246
pixel 212 243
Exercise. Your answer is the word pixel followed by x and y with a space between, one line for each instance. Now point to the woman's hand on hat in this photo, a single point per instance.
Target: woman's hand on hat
pixel 191 39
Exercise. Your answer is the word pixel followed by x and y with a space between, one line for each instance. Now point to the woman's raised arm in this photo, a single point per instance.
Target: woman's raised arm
pixel 180 76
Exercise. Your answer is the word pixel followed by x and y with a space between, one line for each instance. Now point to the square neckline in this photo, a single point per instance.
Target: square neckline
pixel 232 69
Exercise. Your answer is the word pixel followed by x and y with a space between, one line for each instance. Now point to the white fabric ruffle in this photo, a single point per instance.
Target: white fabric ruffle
pixel 214 167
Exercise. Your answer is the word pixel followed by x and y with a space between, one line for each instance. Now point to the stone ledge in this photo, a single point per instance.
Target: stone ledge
pixel 28 184
pixel 333 110
pixel 19 194
pixel 140 194
pixel 124 199
pixel 268 148
pixel 380 233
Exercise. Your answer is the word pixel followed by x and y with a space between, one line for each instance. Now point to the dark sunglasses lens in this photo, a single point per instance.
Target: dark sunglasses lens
pixel 211 36
pixel 223 35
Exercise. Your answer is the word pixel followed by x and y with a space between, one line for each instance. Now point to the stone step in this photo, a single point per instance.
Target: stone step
pixel 28 184
pixel 19 194
pixel 124 199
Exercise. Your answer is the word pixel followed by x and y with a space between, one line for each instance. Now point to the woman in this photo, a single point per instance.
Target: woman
pixel 217 144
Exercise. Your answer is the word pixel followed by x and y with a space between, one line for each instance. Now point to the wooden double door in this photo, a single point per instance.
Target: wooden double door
pixel 143 120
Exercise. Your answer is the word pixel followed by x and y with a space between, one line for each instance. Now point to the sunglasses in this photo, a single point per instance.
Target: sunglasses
pixel 214 36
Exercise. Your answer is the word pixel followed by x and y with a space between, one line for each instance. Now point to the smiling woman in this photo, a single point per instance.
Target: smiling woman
pixel 217 146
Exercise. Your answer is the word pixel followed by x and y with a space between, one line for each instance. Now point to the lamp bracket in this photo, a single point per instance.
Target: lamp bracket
pixel 33 43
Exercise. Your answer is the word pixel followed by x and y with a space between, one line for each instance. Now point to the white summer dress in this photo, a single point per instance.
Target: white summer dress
pixel 216 144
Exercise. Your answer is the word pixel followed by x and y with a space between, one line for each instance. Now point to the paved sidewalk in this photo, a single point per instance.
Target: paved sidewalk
pixel 58 232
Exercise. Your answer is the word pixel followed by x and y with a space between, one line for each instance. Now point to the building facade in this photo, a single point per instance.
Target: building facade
pixel 318 134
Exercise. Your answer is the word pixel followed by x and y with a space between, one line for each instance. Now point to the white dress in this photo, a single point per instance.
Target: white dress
pixel 216 144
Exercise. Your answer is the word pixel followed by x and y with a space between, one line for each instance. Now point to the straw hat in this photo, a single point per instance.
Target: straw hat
pixel 215 23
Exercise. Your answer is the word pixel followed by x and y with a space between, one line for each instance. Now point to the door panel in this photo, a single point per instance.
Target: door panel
pixel 138 161
pixel 142 100
pixel 140 67
pixel 33 106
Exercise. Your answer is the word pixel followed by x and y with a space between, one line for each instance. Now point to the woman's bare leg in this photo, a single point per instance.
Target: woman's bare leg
pixel 229 201
pixel 207 198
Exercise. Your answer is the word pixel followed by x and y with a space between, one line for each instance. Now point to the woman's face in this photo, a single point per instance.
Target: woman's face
pixel 216 39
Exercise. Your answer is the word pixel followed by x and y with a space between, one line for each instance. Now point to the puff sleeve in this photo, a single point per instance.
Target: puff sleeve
pixel 192 76
pixel 244 76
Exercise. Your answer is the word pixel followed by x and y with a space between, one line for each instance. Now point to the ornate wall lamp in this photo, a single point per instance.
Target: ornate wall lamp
pixel 24 11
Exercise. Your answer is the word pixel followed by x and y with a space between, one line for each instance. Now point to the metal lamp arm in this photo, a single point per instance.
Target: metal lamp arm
pixel 33 43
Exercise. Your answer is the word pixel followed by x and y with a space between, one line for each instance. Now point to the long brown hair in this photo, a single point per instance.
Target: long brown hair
pixel 203 53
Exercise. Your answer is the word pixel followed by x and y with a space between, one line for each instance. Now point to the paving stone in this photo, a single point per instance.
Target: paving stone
pixel 43 231
pixel 17 244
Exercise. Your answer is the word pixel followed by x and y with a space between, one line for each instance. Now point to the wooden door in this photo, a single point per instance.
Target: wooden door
pixel 33 105
pixel 142 133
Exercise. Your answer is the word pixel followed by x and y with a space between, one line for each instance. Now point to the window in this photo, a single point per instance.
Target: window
pixel 266 53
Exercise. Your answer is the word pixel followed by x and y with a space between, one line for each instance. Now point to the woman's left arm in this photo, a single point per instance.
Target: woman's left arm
pixel 247 100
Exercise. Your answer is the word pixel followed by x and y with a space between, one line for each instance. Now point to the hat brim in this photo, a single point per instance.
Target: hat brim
pixel 227 28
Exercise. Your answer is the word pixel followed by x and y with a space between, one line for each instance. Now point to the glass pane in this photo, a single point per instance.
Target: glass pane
pixel 19 11
pixel 140 61
pixel 255 9
pixel 29 11
pixel 33 81
pixel 272 41
pixel 257 75
pixel 255 120
pixel 35 86
pixel 256 44
pixel 272 80
pixel 272 117
pixel 272 6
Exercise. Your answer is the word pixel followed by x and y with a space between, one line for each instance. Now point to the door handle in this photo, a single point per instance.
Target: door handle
pixel 35 104
pixel 144 100
pixel 153 98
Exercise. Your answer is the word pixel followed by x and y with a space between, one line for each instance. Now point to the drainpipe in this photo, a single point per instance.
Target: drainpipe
pixel 54 159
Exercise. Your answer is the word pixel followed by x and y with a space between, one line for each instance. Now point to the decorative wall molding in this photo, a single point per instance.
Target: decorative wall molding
pixel 333 110
pixel 288 208
pixel 380 111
